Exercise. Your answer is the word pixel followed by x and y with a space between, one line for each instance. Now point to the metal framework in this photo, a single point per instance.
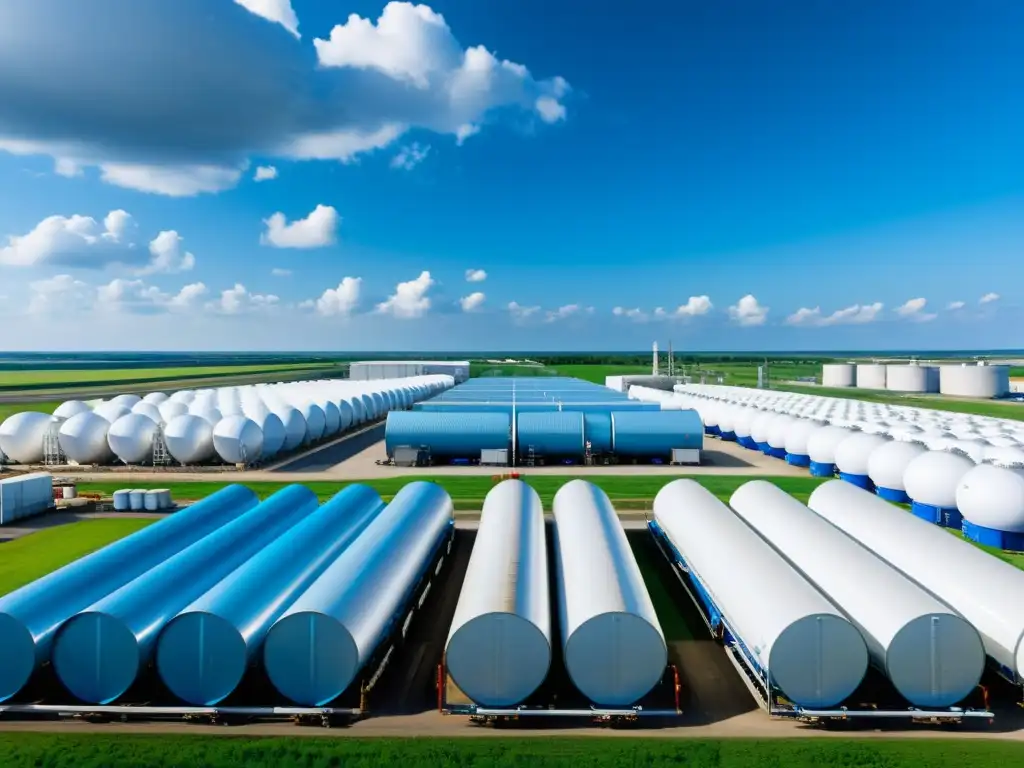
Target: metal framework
pixel 53 454
pixel 161 456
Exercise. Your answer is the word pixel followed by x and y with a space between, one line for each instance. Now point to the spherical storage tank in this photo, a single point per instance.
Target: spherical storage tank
pixel 886 466
pixel 797 437
pixel 742 424
pixel 237 440
pixel 760 428
pixel 974 380
pixel 655 433
pixel 991 500
pixel 83 438
pixel 189 439
pixel 150 411
pixel 911 378
pixel 551 433
pixel 612 643
pixel 70 408
pixel 933 657
pixel 131 438
pixel 821 449
pixel 22 436
pixel 838 375
pixel 499 647
pixel 112 411
pixel 170 409
pixel 778 429
pixel 931 480
pixel 870 376
pixel 853 454
pixel 787 628
pixel 458 435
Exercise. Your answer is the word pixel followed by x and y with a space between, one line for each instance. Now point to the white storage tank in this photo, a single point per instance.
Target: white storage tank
pixel 853 454
pixel 170 409
pixel 798 435
pixel 931 480
pixel 991 500
pixel 150 411
pixel 838 375
pixel 70 408
pixel 122 501
pixel 911 378
pixel 787 628
pixel 978 381
pixel 983 589
pixel 22 436
pixel 237 440
pixel 83 438
pixel 741 425
pixel 189 439
pixel 932 656
pixel 726 421
pixel 887 465
pixel 131 438
pixel 870 376
pixel 612 643
pixel 499 647
pixel 760 428
pixel 111 411
pixel 137 499
pixel 151 501
pixel 778 428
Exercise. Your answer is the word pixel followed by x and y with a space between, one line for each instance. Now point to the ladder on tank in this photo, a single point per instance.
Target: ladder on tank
pixel 161 456
pixel 53 454
pixel 531 456
pixel 588 456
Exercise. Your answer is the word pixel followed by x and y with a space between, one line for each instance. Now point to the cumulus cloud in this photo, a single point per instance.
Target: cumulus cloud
pixel 695 306
pixel 168 255
pixel 410 156
pixel 953 306
pixel 340 301
pixel 410 299
pixel 472 302
pixel 748 312
pixel 238 299
pixel 475 275
pixel 107 101
pixel 66 294
pixel 988 298
pixel 265 173
pixel 566 311
pixel 71 241
pixel 914 309
pixel 317 230
pixel 520 312
pixel 856 314
pixel 61 293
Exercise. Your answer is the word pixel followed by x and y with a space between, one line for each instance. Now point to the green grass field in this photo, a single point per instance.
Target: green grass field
pixel 26 559
pixel 8 409
pixel 23 750
pixel 15 379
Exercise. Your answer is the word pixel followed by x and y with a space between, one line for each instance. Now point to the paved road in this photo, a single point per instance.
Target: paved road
pixel 334 453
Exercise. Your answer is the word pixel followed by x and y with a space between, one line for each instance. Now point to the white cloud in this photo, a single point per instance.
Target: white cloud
pixel 410 156
pixel 67 168
pixel 856 314
pixel 410 298
pixel 341 300
pixel 472 302
pixel 953 306
pixel 265 173
pixel 167 255
pixel 913 309
pixel 695 306
pixel 77 241
pixel 633 314
pixel 521 313
pixel 549 109
pixel 343 145
pixel 279 272
pixel 988 298
pixel 61 293
pixel 173 181
pixel 277 11
pixel 747 312
pixel 317 230
pixel 475 275
pixel 565 311
pixel 189 295
pixel 238 299
pixel 464 132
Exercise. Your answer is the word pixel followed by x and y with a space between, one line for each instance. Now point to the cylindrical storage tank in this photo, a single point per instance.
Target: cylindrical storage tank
pixel 778 428
pixel 797 439
pixel 655 433
pixel 760 427
pixel 787 628
pixel 909 378
pixel 931 480
pixel 83 438
pixel 551 433
pixel 461 435
pixel 887 465
pixel 151 501
pixel 121 501
pixel 991 500
pixel 294 427
pixel 166 502
pixel 22 436
pixel 137 499
pixel 319 645
pixel 978 381
pixel 189 439
pixel 204 652
pixel 838 375
pixel 870 376
pixel 612 643
pixel 29 616
pixel 726 419
pixel 99 652
pixel 346 416
pixel 170 409
pixel 69 492
pixel 131 438
pixel 742 425
pixel 853 454
pixel 237 440
pixel 272 429
pixel 499 647
pixel 597 428
pixel 70 408
pixel 932 656
pixel 983 589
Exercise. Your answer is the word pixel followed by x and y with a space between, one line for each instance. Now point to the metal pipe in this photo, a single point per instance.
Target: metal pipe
pixel 516 712
pixel 953 714
pixel 129 710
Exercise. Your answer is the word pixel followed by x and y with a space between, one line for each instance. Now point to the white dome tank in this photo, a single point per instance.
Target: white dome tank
pixel 189 439
pixel 777 429
pixel 112 411
pixel 886 466
pixel 853 454
pixel 726 419
pixel 931 480
pixel 184 396
pixel 1000 455
pixel 991 500
pixel 22 436
pixel 742 419
pixel 70 408
pixel 207 412
pixel 316 421
pixel 148 410
pixel 973 449
pixel 238 440
pixel 155 398
pixel 171 409
pixel 333 418
pixel 273 434
pixel 83 438
pixel 131 438
pixel 798 435
pixel 345 414
pixel 760 426
pixel 128 401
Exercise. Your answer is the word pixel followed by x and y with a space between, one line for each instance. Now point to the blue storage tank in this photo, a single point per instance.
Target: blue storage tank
pixel 458 435
pixel 554 433
pixel 204 651
pixel 597 428
pixel 30 616
pixel 649 434
pixel 99 652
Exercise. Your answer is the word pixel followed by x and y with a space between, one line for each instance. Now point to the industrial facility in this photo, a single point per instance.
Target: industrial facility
pixel 955 380
pixel 531 421
pixel 370 370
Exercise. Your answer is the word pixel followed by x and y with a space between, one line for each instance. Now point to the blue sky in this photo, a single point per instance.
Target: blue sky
pixel 275 174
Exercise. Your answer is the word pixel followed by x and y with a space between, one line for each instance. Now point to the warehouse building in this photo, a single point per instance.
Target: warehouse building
pixel 367 370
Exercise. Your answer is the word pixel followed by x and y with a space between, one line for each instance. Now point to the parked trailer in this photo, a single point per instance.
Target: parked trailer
pixel 204 652
pixel 319 645
pixel 932 655
pixel 99 653
pixel 30 616
pixel 789 637
pixel 983 589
